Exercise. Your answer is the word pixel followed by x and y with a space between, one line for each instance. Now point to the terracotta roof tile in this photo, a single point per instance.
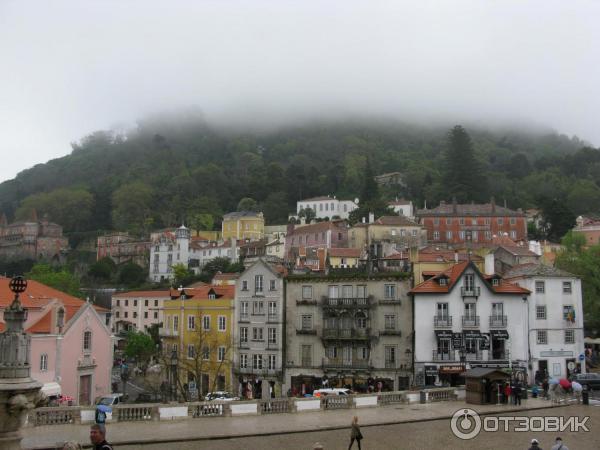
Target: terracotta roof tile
pixel 130 294
pixel 345 252
pixel 469 209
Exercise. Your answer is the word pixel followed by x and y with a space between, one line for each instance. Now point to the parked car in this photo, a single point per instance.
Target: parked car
pixel 110 400
pixel 331 391
pixel 591 380
pixel 221 395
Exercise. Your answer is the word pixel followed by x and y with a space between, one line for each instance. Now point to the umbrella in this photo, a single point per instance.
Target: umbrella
pixel 576 386
pixel 104 408
pixel 566 384
pixel 66 398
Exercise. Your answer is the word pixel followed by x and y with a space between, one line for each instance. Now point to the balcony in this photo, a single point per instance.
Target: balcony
pixel 306 331
pixel 498 321
pixel 470 321
pixel 442 355
pixel 166 332
pixel 442 321
pixel 273 346
pixel 262 372
pixel 390 301
pixel 346 333
pixel 358 302
pixel 272 318
pixel 470 291
pixel 306 302
pixel 339 363
pixel 390 332
pixel 244 318
pixel 474 356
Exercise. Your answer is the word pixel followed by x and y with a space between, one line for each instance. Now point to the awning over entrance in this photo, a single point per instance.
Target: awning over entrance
pixel 452 369
pixel 499 334
pixel 472 334
pixel 443 334
pixel 51 389
pixel 431 371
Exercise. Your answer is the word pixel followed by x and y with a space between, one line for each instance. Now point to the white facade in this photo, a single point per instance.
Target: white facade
pixel 259 330
pixel 200 255
pixel 168 249
pixel 328 207
pixel 555 320
pixel 403 208
pixel 464 322
pixel 137 311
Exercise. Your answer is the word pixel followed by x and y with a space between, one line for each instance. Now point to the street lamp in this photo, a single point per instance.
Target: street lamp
pixel 174 362
pixel 18 391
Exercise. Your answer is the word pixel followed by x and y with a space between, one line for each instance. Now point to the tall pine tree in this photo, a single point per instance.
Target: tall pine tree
pixel 463 174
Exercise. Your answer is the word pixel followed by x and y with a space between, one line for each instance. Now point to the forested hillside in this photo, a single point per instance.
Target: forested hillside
pixel 169 170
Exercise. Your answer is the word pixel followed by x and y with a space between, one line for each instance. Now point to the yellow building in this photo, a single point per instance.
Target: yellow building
pixel 243 225
pixel 344 258
pixel 394 229
pixel 198 325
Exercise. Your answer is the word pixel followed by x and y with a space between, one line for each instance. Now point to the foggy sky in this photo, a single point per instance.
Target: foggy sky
pixel 68 68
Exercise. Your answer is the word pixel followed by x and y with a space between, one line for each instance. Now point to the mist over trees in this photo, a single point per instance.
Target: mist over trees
pixel 171 171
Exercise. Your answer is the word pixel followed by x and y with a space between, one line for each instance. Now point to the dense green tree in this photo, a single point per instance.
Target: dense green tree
pixel 132 275
pixel 463 174
pixel 181 275
pixel 370 190
pixel 558 218
pixel 132 207
pixel 141 347
pixel 308 214
pixel 56 277
pixel 275 207
pixel 584 197
pixel 201 222
pixel 247 204
pixel 102 269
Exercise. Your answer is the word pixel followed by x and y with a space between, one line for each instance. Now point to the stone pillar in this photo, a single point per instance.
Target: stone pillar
pixel 18 392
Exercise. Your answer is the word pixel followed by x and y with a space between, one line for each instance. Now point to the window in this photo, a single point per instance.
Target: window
pixel 449 235
pixel 244 285
pixel 126 315
pixel 307 292
pixel 156 249
pixel 306 322
pixel 487 220
pixel 436 235
pixel 243 335
pixel 488 234
pixel 448 221
pixel 145 302
pixel 156 314
pixel 272 308
pixel 126 302
pixel 87 341
pixel 243 361
pixel 361 291
pixel 191 351
pixel 257 334
pixel 221 354
pixel 414 232
pixel 461 235
pixel 436 221
pixel 390 321
pixel 271 285
pixel 272 335
pixel 361 322
pixel 566 286
pixel 540 312
pixel 331 352
pixel 469 282
pixel 461 221
pixel 257 362
pixel 170 248
pixel 513 221
pixel 569 313
pixel 475 236
pixel 540 287
pixel 222 323
pixel 206 322
pixel 390 355
pixel 145 314
pixel 542 337
pixel 495 281
pixel 513 234
pixel 135 303
pixel 497 310
pixel 347 291
pixel 191 323
pixel 135 314
pixel 500 221
pixel 306 355
pixel 258 308
pixel 272 362
pixel 569 336
pixel 156 303
pixel 206 352
pixel 443 281
pixel 43 362
pixel 243 310
pixel 117 314
pixel 390 291
pixel 118 302
pixel 334 291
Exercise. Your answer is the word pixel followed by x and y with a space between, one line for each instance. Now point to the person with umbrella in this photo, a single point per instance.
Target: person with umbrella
pixel 577 390
pixel 554 389
pixel 101 411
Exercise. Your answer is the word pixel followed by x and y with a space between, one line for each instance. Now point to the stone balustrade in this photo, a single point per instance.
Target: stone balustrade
pixel 171 411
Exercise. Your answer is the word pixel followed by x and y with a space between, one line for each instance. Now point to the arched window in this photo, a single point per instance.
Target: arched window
pixel 87 341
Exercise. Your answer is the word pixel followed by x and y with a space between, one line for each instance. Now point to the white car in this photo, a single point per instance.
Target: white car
pixel 331 391
pixel 221 395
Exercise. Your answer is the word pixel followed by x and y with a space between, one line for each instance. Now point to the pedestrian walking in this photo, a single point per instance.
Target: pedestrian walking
pixel 507 393
pixel 98 437
pixel 535 445
pixel 577 390
pixel 517 392
pixel 545 386
pixel 355 434
pixel 558 445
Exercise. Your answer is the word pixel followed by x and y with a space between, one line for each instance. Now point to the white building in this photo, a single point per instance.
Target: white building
pixel 168 248
pixel 328 207
pixel 403 207
pixel 259 331
pixel 203 252
pixel 464 319
pixel 555 319
pixel 137 310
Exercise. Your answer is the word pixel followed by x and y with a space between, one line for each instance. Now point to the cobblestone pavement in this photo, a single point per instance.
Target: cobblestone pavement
pixel 300 431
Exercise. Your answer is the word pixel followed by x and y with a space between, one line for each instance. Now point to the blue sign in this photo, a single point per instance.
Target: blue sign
pixel 581 357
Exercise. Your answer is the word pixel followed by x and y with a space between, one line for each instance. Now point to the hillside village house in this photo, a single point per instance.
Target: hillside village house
pixel 402 207
pixel 589 228
pixel 122 248
pixel 386 235
pixel 259 331
pixel 465 319
pixel 475 224
pixel 328 207
pixel 344 258
pixel 71 347
pixel 555 314
pixel 353 332
pixel 431 260
pixel 243 225
pixel 198 327
pixel 318 235
pixel 137 310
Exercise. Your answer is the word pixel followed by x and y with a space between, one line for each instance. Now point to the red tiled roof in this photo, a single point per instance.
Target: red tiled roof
pixel 345 252
pixel 227 291
pixel 44 325
pixel 226 276
pixel 395 220
pixel 396 256
pixel 453 274
pixel 143 294
pixel 315 228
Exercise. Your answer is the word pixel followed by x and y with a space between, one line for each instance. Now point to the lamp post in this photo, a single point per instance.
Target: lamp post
pixel 174 376
pixel 18 391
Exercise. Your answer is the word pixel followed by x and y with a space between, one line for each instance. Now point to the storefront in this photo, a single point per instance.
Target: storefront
pixel 451 374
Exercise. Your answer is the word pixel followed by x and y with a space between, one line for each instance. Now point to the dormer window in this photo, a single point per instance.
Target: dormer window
pixel 495 282
pixel 443 281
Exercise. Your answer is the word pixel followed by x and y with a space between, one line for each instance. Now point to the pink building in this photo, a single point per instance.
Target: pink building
pixel 71 347
pixel 317 235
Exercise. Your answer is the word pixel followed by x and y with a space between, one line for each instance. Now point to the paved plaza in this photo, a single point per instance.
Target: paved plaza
pixel 394 427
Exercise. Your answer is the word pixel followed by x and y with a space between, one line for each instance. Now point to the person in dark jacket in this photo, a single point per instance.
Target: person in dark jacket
pixel 535 445
pixel 355 434
pixel 98 437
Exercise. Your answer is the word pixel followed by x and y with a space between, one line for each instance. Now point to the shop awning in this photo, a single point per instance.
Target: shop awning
pixel 51 389
pixel 443 334
pixel 452 369
pixel 472 334
pixel 499 334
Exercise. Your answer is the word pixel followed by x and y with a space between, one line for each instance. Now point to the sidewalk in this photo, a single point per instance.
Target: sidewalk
pixel 208 428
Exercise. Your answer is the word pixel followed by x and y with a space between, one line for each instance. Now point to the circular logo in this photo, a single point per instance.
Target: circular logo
pixel 465 424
